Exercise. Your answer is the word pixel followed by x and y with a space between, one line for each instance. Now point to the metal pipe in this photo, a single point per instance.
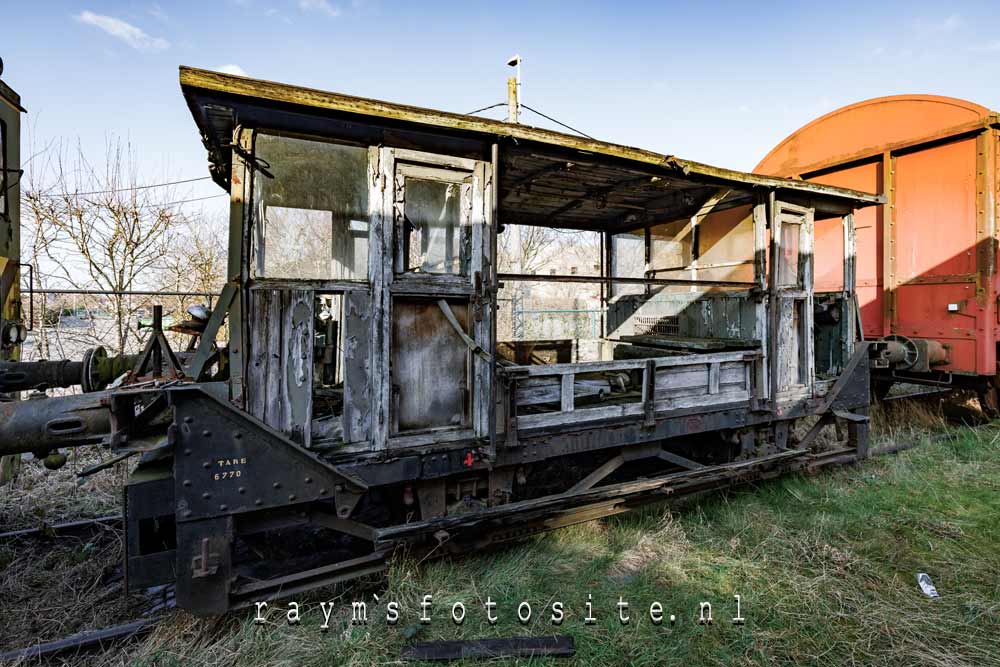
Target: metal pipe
pixel 43 425
pixel 98 292
pixel 550 278
pixel 26 375
pixel 93 373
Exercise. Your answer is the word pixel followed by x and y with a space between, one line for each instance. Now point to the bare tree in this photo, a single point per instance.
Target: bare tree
pixel 100 229
pixel 537 247
pixel 195 262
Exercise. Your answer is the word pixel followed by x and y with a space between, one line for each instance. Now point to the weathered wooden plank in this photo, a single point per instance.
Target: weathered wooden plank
pixel 679 460
pixel 257 354
pixel 631 351
pixel 273 405
pixel 713 378
pixel 382 210
pixel 598 474
pixel 695 343
pixel 625 365
pixel 297 367
pixel 567 393
pixel 699 376
pixel 430 366
pixel 357 417
pixel 631 410
pixel 237 268
pixel 83 640
pixel 482 366
pixel 535 391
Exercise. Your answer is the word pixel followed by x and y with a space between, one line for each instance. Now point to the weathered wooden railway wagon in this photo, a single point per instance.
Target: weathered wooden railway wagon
pixel 926 270
pixel 363 401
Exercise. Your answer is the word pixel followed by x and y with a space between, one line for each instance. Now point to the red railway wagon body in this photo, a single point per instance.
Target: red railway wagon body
pixel 926 260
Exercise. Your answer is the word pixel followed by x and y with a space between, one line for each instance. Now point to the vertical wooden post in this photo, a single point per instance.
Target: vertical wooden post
pixel 238 265
pixel 566 393
pixel 513 109
pixel 850 323
pixel 761 389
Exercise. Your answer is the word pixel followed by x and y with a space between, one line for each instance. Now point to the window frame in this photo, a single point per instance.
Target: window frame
pixel 255 232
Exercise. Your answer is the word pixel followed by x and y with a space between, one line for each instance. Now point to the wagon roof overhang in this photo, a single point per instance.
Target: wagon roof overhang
pixel 8 95
pixel 216 100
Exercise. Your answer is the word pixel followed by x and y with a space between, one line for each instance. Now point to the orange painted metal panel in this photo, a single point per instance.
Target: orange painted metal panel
pixel 935 202
pixel 922 279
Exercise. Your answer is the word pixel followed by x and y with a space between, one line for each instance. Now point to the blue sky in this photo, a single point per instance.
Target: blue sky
pixel 716 82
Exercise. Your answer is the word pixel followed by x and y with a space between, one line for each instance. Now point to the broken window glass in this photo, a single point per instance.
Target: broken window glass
pixel 312 216
pixel 670 246
pixel 436 240
pixel 328 367
pixel 788 263
pixel 628 260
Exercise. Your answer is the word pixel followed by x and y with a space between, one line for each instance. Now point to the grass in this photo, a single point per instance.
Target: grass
pixel 825 567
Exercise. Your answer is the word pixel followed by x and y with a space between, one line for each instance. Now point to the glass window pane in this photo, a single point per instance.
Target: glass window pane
pixel 788 263
pixel 312 217
pixel 436 239
pixel 670 246
pixel 628 260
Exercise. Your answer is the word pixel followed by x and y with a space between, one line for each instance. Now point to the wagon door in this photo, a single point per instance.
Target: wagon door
pixel 791 292
pixel 439 321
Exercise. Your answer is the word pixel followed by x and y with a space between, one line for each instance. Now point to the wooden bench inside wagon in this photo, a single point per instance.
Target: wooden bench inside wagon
pixel 381 385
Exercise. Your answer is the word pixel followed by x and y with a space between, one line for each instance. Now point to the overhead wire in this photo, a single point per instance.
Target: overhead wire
pixel 535 111
pixel 492 106
pixel 128 189
pixel 568 127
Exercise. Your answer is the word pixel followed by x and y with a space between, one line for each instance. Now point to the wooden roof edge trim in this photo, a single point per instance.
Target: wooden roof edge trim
pixel 11 97
pixel 194 78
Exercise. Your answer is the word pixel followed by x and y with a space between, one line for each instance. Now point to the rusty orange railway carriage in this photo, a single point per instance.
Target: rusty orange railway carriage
pixel 926 259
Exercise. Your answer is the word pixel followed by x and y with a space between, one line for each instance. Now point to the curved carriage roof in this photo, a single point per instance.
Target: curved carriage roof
pixel 870 127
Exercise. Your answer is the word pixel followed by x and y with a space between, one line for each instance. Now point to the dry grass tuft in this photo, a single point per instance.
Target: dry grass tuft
pixel 665 547
pixel 38 496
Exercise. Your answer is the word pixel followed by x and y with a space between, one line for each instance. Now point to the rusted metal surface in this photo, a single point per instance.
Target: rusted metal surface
pixel 926 258
pixel 46 424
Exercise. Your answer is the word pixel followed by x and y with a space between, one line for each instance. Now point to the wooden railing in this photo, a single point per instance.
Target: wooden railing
pixel 664 384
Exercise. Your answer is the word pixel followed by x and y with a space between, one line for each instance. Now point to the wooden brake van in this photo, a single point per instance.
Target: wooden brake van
pixel 367 399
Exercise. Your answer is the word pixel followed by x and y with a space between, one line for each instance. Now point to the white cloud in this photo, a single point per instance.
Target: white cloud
pixel 157 12
pixel 925 28
pixel 322 6
pixel 128 33
pixel 231 69
pixel 275 13
pixel 991 47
